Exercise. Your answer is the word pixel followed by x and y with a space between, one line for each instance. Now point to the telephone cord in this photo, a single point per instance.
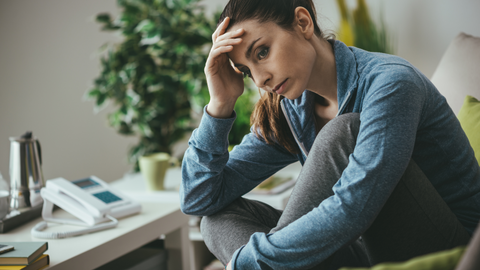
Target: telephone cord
pixel 37 230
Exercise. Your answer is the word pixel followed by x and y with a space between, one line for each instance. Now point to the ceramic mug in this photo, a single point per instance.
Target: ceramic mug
pixel 4 203
pixel 153 168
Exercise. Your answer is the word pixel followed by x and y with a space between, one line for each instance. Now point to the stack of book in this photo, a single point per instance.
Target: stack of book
pixel 25 256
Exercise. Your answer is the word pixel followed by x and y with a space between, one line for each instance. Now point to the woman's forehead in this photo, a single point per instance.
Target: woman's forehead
pixel 254 33
pixel 252 26
pixel 253 29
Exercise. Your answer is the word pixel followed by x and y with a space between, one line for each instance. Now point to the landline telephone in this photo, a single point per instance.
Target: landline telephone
pixel 90 199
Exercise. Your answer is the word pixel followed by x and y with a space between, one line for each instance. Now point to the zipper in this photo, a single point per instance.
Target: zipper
pixel 302 147
pixel 342 107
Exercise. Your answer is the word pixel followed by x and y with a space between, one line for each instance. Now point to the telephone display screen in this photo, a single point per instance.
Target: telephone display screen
pixel 83 183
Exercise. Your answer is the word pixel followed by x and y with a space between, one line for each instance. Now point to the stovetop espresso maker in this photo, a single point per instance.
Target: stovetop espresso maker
pixel 26 175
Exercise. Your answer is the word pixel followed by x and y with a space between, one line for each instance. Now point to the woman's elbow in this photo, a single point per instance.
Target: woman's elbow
pixel 192 207
pixel 188 209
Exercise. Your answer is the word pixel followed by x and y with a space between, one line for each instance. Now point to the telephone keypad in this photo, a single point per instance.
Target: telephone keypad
pixel 107 197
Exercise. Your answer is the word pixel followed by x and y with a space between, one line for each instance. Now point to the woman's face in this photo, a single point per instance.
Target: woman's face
pixel 277 60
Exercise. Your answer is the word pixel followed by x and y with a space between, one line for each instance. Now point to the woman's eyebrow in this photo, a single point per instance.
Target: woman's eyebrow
pixel 249 50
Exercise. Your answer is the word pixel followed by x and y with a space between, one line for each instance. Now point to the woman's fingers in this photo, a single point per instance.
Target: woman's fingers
pixel 220 34
pixel 223 46
pixel 221 28
pixel 220 48
pixel 217 52
pixel 227 42
pixel 222 43
pixel 230 35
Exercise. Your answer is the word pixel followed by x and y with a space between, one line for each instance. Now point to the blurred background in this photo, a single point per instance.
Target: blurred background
pixel 49 59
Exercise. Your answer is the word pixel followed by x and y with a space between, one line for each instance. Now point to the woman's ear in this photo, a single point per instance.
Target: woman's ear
pixel 304 22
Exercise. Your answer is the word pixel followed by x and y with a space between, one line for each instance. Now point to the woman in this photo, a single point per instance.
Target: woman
pixel 388 173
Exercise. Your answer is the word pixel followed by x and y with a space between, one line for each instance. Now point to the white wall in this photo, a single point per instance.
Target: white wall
pixel 46 66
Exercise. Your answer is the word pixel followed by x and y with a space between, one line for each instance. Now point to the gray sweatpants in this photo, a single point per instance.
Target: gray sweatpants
pixel 414 221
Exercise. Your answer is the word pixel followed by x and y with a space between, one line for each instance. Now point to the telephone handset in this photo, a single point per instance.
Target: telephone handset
pixel 90 199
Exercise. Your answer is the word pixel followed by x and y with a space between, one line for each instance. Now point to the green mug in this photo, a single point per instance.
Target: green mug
pixel 153 168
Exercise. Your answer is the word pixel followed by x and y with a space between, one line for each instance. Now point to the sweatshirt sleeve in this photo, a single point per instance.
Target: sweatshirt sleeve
pixel 390 116
pixel 212 177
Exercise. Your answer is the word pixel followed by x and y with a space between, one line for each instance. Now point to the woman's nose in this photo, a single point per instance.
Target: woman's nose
pixel 262 78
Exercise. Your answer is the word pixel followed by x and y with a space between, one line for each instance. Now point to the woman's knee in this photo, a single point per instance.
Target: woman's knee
pixel 214 230
pixel 338 136
pixel 244 214
pixel 214 235
pixel 207 227
pixel 342 127
pixel 211 225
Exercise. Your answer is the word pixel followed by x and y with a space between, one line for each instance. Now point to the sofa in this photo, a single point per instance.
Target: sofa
pixel 457 77
pixel 458 73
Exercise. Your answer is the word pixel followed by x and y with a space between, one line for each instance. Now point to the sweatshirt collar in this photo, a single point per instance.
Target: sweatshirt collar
pixel 347 75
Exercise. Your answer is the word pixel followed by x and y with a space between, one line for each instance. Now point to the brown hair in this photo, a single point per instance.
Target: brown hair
pixel 281 12
pixel 267 119
pixel 269 122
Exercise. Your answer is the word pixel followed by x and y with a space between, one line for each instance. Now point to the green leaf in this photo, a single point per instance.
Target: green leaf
pixel 101 99
pixel 145 26
pixel 150 40
pixel 170 4
pixel 133 97
pixel 93 93
pixel 103 18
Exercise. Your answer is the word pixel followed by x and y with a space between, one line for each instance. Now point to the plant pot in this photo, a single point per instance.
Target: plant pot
pixel 153 168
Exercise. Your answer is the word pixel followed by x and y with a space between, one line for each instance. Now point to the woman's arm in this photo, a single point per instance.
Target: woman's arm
pixel 212 177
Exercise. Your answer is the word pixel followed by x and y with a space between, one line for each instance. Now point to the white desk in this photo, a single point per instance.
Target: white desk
pixel 93 250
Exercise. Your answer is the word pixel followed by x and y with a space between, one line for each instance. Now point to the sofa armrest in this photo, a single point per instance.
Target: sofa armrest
pixel 457 73
pixel 471 258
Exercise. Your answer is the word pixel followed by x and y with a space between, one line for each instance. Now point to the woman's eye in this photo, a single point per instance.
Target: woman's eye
pixel 247 73
pixel 262 53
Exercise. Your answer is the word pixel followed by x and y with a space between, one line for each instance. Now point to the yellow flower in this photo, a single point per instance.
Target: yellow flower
pixel 345 34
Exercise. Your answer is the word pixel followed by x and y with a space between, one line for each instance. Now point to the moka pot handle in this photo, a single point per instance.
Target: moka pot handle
pixel 39 150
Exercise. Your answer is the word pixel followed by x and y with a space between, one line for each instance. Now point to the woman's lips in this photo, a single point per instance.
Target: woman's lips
pixel 280 87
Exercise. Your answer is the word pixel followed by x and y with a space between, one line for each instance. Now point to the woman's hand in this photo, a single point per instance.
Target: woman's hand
pixel 225 83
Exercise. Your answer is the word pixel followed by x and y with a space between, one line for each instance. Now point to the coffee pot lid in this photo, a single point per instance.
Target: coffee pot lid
pixel 27 136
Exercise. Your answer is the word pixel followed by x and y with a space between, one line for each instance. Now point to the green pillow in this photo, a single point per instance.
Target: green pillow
pixel 469 117
pixel 443 260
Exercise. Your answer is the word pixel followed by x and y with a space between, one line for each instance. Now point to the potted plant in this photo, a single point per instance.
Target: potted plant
pixel 155 76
